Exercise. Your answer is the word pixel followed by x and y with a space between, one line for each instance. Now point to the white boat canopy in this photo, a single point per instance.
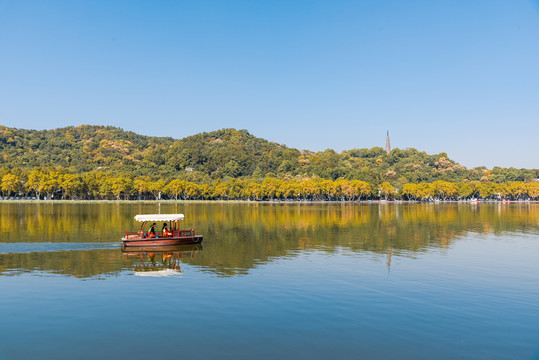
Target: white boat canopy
pixel 159 217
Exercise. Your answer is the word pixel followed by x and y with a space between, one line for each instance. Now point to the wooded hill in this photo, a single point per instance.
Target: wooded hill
pixel 224 154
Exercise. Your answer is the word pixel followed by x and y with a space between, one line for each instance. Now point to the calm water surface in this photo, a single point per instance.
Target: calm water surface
pixel 272 281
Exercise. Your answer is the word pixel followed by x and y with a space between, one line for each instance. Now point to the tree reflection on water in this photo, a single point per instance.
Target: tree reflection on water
pixel 237 237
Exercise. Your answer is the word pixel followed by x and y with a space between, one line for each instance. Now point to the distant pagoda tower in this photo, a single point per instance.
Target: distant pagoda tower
pixel 388 147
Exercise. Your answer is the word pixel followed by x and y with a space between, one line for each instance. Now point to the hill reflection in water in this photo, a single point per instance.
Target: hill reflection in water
pixel 65 238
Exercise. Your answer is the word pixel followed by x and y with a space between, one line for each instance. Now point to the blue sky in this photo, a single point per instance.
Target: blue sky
pixel 460 77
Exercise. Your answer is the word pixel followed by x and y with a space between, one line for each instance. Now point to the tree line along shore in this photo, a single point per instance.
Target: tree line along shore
pixel 108 163
pixel 53 184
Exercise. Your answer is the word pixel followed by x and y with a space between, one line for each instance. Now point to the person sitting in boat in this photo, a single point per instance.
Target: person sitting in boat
pixel 151 231
pixel 165 230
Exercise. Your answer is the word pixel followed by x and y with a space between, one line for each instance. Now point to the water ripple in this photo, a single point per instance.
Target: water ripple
pixel 19 248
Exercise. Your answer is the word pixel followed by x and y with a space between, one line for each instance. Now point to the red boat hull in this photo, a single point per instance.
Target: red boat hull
pixel 169 241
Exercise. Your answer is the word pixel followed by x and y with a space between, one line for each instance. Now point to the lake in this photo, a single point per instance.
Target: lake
pixel 288 281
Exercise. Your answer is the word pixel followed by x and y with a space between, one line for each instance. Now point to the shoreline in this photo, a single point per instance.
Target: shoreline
pixel 284 202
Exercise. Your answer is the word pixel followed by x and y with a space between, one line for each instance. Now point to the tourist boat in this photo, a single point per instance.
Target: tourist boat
pixel 174 236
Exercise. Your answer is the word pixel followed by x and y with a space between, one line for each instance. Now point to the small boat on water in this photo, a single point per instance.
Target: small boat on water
pixel 166 237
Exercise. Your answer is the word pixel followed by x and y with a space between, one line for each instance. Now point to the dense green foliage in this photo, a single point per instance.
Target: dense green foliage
pixel 107 162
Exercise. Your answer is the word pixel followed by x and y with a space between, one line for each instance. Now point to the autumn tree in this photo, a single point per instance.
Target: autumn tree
pixel 157 188
pixel 271 188
pixel 175 188
pixel 387 190
pixel 532 189
pixel 410 191
pixel 425 191
pixel 121 185
pixel 308 189
pixel 444 189
pixel 361 188
pixel 35 182
pixel 142 185
pixel 486 190
pixel 467 189
pixel 10 184
pixel 70 185
pixel 252 190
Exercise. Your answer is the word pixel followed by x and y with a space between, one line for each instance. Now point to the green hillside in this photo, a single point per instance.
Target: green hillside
pixel 224 154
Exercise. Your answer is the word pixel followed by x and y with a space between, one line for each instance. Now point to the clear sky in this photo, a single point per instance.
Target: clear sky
pixel 454 76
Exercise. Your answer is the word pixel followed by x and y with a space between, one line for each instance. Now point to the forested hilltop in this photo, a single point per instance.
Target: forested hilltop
pixel 86 155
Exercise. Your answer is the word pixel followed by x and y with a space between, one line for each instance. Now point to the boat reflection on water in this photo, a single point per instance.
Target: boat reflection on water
pixel 158 261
